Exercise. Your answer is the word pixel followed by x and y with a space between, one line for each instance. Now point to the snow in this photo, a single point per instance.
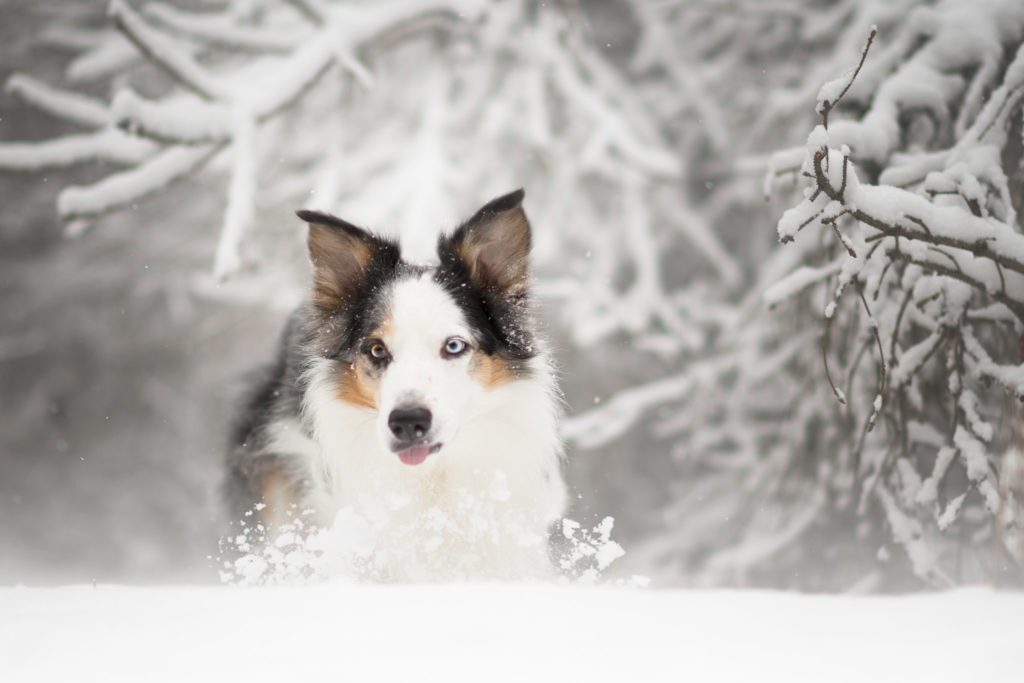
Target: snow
pixel 620 413
pixel 929 491
pixel 960 31
pixel 219 30
pixel 109 144
pixel 181 118
pixel 503 632
pixel 241 196
pixel 912 359
pixel 799 279
pixel 166 51
pixel 951 512
pixel 125 187
pixel 107 58
pixel 909 532
pixel 72 106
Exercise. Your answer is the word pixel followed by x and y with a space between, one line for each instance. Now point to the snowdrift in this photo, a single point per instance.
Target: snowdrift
pixel 503 632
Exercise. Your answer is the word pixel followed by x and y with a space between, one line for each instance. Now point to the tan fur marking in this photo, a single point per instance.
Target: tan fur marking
pixel 357 383
pixel 279 496
pixel 355 387
pixel 490 371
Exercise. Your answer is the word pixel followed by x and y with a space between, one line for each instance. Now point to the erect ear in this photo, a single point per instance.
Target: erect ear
pixel 494 245
pixel 342 257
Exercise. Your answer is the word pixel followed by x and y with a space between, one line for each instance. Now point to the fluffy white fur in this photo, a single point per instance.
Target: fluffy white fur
pixel 478 508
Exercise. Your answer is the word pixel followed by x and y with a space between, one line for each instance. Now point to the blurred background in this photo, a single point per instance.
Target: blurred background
pixel 152 155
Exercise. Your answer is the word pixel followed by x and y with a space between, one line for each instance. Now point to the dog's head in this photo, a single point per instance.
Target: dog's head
pixel 422 348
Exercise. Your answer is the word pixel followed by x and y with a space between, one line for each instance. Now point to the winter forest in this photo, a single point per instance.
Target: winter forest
pixel 778 250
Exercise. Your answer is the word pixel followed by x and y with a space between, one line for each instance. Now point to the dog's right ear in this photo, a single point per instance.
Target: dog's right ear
pixel 342 257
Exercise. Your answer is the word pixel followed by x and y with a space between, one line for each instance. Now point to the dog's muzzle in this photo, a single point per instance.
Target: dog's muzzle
pixel 409 427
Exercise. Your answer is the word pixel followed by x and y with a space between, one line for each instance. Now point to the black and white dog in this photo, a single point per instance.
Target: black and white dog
pixel 417 399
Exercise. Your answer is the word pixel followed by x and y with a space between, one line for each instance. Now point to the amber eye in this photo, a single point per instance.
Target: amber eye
pixel 377 351
pixel 454 347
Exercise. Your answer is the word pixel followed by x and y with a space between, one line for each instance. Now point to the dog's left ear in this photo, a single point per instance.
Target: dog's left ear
pixel 493 245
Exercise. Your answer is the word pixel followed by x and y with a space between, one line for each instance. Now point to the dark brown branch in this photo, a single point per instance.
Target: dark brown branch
pixel 881 278
pixel 838 393
pixel 899 320
pixel 842 183
pixel 789 238
pixel 1002 278
pixel 832 221
pixel 943 252
pixel 820 180
pixel 880 393
pixel 827 106
pixel 979 248
pixel 918 221
pixel 852 371
pixel 1015 306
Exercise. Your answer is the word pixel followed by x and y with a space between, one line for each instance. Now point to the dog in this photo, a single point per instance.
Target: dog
pixel 418 400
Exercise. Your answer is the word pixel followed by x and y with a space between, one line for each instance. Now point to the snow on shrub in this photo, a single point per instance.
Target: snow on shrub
pixel 911 202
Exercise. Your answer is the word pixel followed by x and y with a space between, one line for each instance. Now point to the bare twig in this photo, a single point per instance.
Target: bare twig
pixel 836 391
pixel 980 248
pixel 1015 306
pixel 876 405
pixel 826 105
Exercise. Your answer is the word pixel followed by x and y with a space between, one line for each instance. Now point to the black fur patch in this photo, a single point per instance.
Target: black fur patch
pixel 500 323
pixel 500 318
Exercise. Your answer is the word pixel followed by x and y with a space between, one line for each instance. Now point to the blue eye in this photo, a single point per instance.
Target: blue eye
pixel 454 347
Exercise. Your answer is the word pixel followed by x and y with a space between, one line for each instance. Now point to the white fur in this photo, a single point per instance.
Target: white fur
pixel 478 508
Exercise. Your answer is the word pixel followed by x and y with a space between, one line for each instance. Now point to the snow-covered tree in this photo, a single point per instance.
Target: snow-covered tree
pixel 779 478
pixel 792 410
pixel 913 188
pixel 399 115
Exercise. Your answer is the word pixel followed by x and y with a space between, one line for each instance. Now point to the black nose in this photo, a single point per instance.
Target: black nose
pixel 409 424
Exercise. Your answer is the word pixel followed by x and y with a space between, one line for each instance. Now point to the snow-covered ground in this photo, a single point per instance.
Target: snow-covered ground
pixel 503 632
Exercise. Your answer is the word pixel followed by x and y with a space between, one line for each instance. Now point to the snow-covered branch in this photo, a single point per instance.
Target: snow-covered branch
pixel 644 158
pixel 936 246
pixel 378 120
pixel 217 105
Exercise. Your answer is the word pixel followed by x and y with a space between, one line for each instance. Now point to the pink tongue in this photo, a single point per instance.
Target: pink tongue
pixel 414 455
